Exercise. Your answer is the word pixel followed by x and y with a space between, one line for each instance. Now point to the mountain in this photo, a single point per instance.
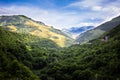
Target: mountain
pixel 25 25
pixel 76 30
pixel 98 31
pixel 29 57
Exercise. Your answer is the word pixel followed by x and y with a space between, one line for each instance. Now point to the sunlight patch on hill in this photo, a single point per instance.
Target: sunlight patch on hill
pixel 25 25
pixel 57 38
pixel 36 25
pixel 12 28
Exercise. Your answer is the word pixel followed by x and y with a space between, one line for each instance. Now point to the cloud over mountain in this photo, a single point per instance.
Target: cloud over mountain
pixel 64 14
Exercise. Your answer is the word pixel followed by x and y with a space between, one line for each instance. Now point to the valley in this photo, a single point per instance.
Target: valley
pixel 31 50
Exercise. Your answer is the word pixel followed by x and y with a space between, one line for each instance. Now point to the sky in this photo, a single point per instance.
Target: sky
pixel 63 14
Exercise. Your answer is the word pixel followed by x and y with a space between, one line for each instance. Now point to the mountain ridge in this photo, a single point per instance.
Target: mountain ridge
pixel 25 25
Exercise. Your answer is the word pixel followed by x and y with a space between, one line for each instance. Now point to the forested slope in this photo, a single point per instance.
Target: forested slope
pixel 19 54
pixel 97 60
pixel 24 57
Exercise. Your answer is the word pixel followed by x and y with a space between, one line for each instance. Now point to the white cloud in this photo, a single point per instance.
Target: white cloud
pixel 85 3
pixel 97 5
pixel 97 9
pixel 50 17
pixel 101 9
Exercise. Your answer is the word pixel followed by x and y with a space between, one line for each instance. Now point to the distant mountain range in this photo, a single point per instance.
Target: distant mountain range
pixel 98 31
pixel 75 31
pixel 25 25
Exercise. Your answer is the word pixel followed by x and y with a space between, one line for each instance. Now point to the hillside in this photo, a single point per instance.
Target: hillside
pixel 98 31
pixel 12 56
pixel 25 25
pixel 99 60
pixel 27 57
pixel 19 53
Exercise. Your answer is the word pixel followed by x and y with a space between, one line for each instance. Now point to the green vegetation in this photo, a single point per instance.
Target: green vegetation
pixel 27 57
pixel 99 60
pixel 12 54
pixel 17 51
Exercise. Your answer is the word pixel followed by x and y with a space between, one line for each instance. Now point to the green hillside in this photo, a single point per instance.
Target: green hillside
pixel 19 54
pixel 98 31
pixel 27 57
pixel 12 54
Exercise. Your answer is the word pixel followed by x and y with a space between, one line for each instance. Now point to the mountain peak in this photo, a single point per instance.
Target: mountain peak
pixel 25 25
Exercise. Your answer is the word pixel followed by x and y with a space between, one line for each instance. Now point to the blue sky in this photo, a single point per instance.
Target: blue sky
pixel 63 13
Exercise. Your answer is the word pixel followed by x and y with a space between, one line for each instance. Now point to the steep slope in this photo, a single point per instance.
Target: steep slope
pixel 22 53
pixel 98 31
pixel 25 25
pixel 12 53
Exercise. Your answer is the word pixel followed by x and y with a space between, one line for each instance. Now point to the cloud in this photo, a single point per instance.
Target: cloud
pixel 96 8
pixel 83 13
pixel 85 3
pixel 96 5
pixel 54 18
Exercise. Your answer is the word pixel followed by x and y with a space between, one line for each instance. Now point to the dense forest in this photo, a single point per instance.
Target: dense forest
pixel 27 57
